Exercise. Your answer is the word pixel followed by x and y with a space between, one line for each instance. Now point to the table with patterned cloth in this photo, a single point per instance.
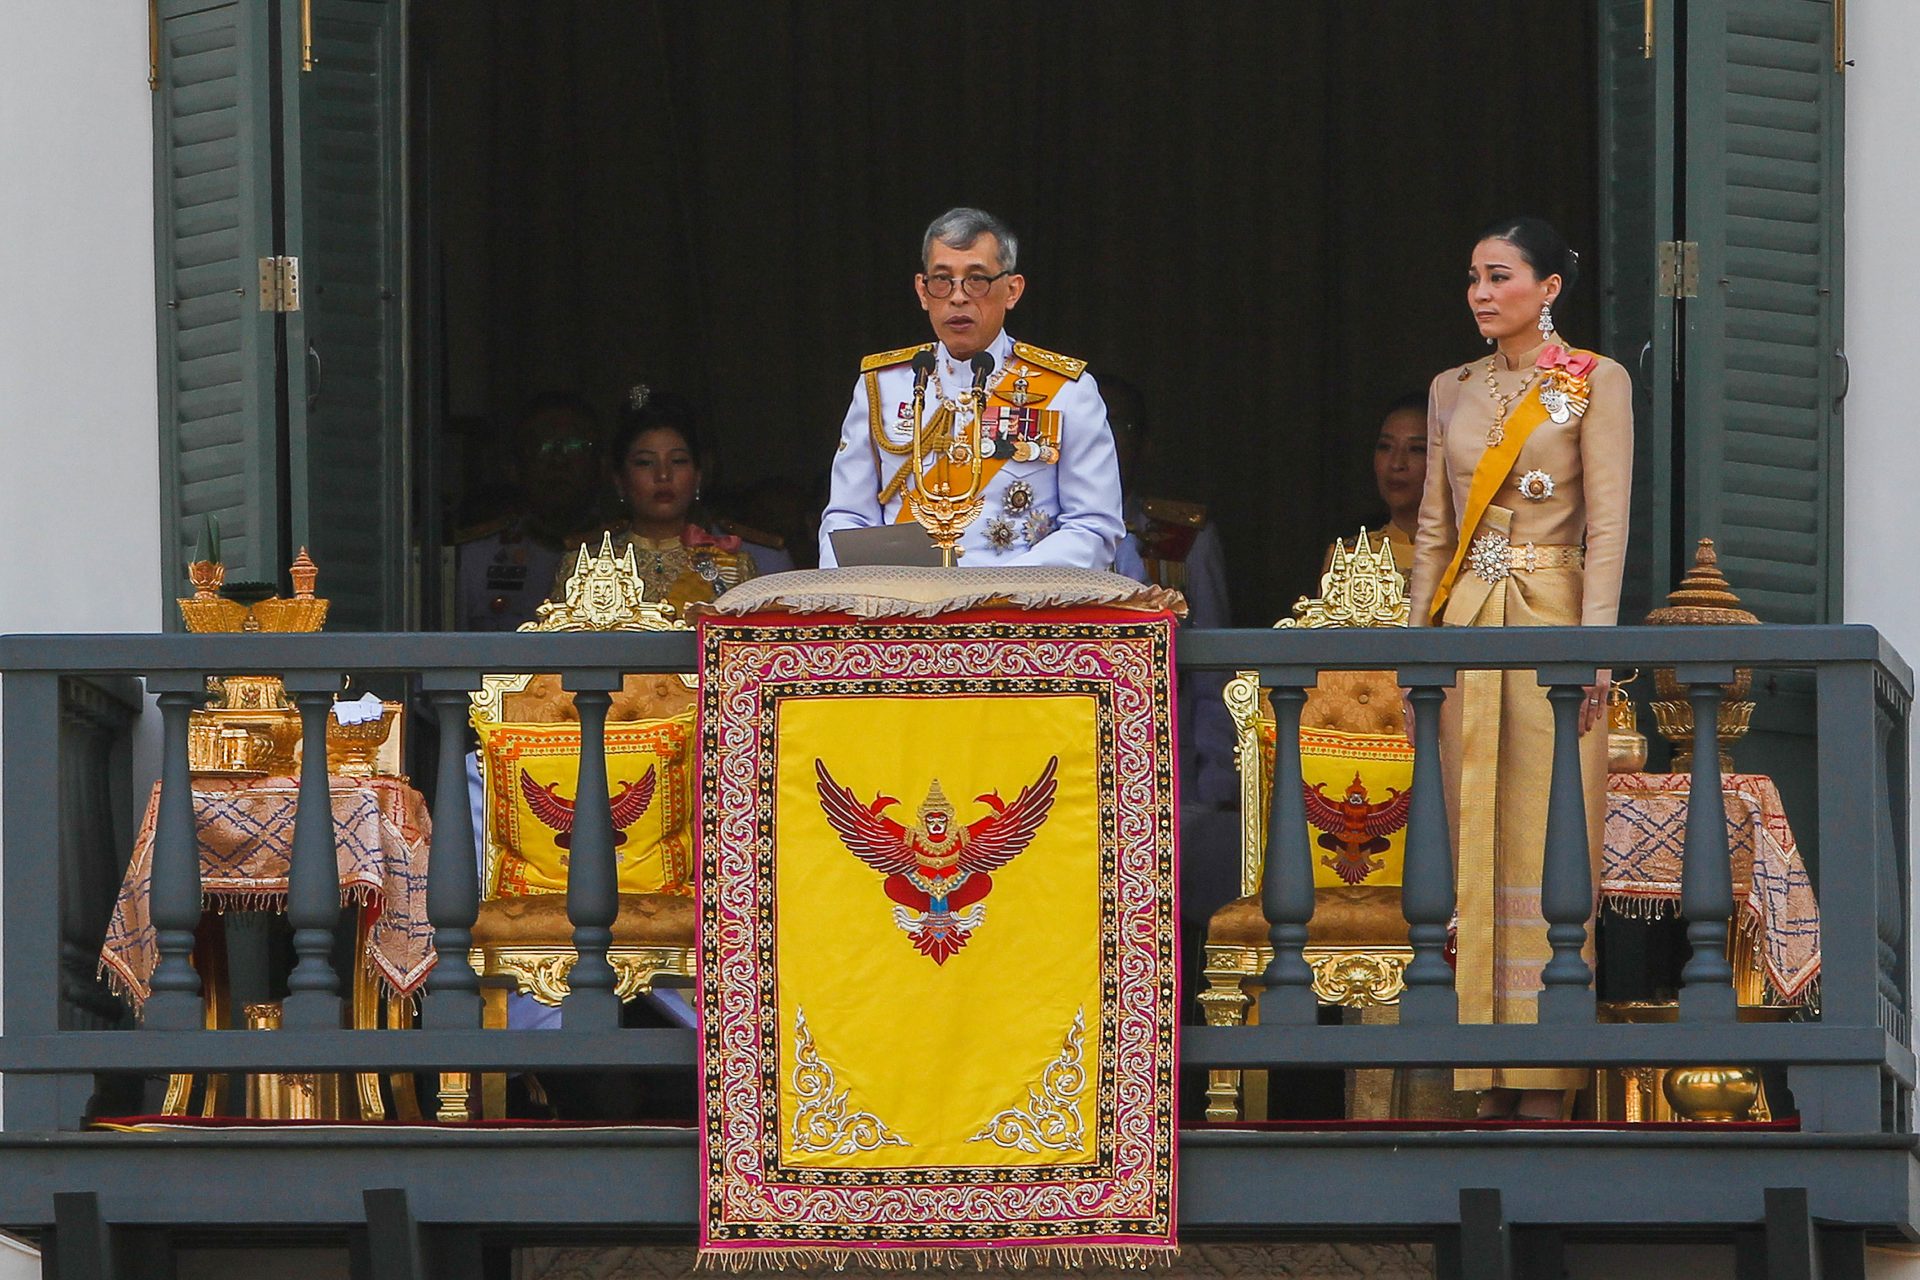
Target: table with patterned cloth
pixel 245 825
pixel 1776 915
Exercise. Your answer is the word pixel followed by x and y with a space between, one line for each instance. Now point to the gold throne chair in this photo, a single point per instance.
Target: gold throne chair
pixel 1357 942
pixel 522 940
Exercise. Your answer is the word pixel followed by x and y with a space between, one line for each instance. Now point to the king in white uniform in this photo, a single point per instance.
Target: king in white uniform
pixel 1050 483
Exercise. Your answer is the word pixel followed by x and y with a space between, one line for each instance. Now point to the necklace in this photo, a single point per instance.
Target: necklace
pixel 946 402
pixel 1498 432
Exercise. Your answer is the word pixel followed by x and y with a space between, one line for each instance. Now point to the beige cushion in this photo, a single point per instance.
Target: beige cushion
pixel 1354 702
pixel 540 919
pixel 1349 916
pixel 642 697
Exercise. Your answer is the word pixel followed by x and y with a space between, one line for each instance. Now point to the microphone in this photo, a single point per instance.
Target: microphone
pixel 982 370
pixel 922 370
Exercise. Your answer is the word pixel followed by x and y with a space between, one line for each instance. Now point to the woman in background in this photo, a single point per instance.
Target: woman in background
pixel 654 458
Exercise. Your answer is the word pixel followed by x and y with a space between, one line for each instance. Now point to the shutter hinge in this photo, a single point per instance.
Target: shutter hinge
pixel 280 284
pixel 1679 269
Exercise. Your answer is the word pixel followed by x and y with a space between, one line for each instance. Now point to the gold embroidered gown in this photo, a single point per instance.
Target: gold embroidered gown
pixel 1568 488
pixel 695 566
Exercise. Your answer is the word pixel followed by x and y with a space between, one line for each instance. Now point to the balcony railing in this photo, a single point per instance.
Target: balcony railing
pixel 1849 1166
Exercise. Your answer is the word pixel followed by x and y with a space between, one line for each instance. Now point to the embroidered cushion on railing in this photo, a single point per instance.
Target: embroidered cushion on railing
pixel 540 919
pixel 902 592
pixel 1357 802
pixel 642 697
pixel 1350 916
pixel 529 772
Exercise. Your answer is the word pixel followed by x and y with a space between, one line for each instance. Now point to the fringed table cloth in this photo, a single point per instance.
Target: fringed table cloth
pixel 1777 919
pixel 938 947
pixel 245 829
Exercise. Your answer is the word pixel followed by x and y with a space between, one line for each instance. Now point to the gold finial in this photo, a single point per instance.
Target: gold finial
pixel 305 573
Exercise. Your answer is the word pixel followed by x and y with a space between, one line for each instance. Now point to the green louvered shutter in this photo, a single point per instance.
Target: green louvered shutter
pixel 213 196
pixel 347 464
pixel 1636 144
pixel 1761 351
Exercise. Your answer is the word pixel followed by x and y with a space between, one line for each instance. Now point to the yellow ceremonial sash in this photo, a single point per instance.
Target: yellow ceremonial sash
pixel 1043 384
pixel 1495 465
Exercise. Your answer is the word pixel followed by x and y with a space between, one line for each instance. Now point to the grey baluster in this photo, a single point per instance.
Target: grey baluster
pixel 1426 897
pixel 174 901
pixel 453 877
pixel 1286 879
pixel 313 879
pixel 1706 879
pixel 592 874
pixel 1566 887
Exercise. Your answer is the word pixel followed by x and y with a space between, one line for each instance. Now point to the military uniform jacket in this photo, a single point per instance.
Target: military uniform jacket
pixel 1056 501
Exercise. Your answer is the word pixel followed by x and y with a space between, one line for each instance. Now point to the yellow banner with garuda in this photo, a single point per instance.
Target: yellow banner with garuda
pixel 937 897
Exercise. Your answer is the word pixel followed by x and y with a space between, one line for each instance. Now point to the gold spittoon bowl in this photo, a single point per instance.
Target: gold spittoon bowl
pixel 353 750
pixel 1703 599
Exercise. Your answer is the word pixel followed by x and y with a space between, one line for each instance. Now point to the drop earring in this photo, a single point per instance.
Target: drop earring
pixel 1546 320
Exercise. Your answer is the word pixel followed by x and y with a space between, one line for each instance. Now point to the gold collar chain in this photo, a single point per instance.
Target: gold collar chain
pixel 1505 403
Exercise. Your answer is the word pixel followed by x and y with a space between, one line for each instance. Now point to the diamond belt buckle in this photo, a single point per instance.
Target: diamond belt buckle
pixel 1491 557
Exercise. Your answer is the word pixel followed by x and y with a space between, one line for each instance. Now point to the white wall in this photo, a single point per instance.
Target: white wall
pixel 80 487
pixel 80 480
pixel 1882 289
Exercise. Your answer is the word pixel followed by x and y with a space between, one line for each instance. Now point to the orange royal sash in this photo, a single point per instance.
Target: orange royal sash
pixel 1495 465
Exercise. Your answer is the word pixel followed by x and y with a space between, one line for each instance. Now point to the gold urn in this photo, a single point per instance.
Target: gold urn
pixel 1703 598
pixel 1626 745
pixel 1717 1094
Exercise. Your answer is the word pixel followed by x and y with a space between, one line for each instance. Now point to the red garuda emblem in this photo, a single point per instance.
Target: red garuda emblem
pixel 557 812
pixel 1355 830
pixel 937 871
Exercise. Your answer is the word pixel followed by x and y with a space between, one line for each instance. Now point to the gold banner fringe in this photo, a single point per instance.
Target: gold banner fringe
pixel 807 1258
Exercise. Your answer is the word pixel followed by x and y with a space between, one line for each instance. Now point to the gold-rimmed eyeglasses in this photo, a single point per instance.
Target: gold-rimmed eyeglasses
pixel 975 286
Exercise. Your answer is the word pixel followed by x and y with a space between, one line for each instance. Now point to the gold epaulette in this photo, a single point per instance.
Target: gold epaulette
pixel 485 529
pixel 1173 511
pixel 887 359
pixel 1066 366
pixel 747 533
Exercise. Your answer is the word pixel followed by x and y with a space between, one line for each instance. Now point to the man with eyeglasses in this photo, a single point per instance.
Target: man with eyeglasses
pixel 1049 481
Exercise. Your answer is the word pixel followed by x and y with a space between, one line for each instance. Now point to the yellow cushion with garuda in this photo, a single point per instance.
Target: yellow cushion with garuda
pixel 1357 787
pixel 528 776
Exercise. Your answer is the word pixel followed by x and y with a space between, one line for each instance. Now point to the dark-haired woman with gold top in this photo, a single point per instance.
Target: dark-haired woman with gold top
pixel 1523 524
pixel 655 464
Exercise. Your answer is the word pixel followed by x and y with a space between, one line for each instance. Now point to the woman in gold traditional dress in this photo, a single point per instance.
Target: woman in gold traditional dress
pixel 655 459
pixel 1523 523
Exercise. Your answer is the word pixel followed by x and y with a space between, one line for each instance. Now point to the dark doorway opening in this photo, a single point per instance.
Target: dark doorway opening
pixel 1259 214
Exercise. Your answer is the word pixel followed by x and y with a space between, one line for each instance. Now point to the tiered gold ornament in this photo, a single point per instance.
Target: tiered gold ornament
pixel 248 729
pixel 1703 598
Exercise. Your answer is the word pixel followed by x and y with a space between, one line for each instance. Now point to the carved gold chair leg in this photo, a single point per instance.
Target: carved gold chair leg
pixel 493 1017
pixel 210 959
pixel 455 1105
pixel 1225 1004
pixel 406 1097
pixel 366 1015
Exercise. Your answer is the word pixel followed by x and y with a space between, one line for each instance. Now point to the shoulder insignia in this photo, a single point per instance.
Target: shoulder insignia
pixel 752 536
pixel 1066 366
pixel 1174 511
pixel 887 359
pixel 485 529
